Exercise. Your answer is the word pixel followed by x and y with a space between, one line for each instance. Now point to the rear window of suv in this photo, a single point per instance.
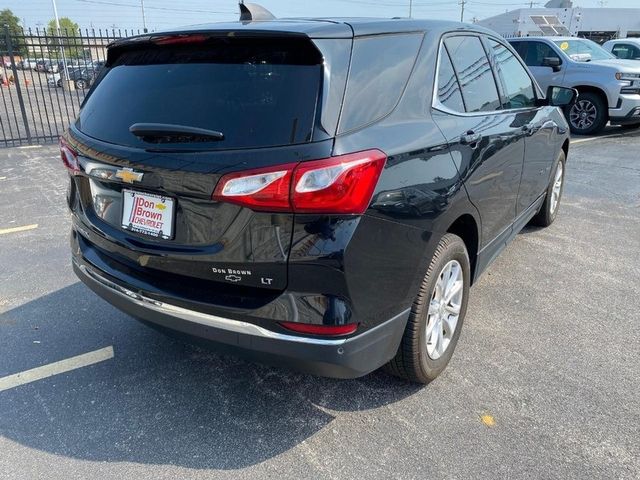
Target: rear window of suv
pixel 257 91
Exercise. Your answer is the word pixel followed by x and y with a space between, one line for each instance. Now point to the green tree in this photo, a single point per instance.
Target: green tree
pixel 67 37
pixel 9 20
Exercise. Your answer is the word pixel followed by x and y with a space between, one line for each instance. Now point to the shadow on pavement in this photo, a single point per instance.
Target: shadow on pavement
pixel 159 401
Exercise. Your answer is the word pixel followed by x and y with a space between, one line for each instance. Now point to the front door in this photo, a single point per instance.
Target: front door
pixel 519 96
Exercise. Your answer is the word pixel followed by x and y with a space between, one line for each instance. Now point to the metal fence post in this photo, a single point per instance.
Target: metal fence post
pixel 16 80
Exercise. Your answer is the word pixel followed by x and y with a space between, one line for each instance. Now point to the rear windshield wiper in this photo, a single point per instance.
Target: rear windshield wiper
pixel 168 133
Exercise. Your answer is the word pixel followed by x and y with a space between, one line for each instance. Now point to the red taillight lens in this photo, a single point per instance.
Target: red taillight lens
pixel 342 184
pixel 338 185
pixel 326 330
pixel 260 189
pixel 179 39
pixel 69 156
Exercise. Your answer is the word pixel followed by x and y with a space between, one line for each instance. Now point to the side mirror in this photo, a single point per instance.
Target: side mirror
pixel 561 96
pixel 553 62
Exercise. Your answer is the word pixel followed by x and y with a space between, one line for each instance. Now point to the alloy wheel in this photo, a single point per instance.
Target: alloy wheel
pixel 556 189
pixel 444 309
pixel 583 114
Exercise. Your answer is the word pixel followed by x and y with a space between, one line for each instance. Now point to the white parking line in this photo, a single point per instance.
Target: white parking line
pixel 3 178
pixel 56 368
pixel 4 231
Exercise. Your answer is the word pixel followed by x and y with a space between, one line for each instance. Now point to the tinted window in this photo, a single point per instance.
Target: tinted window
pixel 533 53
pixel 257 92
pixel 474 73
pixel 517 85
pixel 626 51
pixel 380 68
pixel 448 88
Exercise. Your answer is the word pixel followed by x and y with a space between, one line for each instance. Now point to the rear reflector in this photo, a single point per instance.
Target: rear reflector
pixel 326 330
pixel 69 156
pixel 338 185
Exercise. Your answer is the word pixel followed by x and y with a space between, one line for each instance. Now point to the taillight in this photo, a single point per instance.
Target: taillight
pixel 69 156
pixel 179 39
pixel 341 184
pixel 326 330
pixel 260 189
pixel 338 185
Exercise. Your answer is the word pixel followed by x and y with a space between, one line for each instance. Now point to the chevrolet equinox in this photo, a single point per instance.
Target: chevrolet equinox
pixel 315 193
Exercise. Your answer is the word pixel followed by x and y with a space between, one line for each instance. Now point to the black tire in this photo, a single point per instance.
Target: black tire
pixel 59 83
pixel 587 101
pixel 546 215
pixel 412 361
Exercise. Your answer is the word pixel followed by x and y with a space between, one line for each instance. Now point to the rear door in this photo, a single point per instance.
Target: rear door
pixel 150 195
pixel 486 142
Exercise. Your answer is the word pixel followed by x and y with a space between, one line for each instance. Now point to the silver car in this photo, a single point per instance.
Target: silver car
pixel 609 87
pixel 624 48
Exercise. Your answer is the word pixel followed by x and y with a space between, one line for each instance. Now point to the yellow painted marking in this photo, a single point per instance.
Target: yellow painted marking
pixel 488 420
pixel 3 178
pixel 4 231
pixel 56 368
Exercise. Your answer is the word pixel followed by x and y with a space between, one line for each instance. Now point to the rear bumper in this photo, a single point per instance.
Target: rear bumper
pixel 336 357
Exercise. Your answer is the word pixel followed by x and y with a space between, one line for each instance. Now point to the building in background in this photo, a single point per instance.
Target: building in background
pixel 560 17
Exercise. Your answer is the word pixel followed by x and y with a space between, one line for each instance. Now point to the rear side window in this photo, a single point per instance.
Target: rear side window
pixel 448 88
pixel 516 83
pixel 256 91
pixel 380 69
pixel 474 73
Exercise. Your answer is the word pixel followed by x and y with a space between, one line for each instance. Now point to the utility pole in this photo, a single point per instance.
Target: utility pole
pixel 144 19
pixel 462 3
pixel 410 7
pixel 64 60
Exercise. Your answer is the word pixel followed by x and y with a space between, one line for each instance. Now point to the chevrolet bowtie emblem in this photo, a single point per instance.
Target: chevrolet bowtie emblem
pixel 127 175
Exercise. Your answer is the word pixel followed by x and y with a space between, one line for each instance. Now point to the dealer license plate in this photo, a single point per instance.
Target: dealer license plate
pixel 147 213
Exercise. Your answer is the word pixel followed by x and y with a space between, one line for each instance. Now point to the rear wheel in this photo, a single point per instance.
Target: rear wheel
pixel 81 84
pixel 588 114
pixel 549 209
pixel 436 316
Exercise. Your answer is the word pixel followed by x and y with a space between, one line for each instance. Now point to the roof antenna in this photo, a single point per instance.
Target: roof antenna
pixel 252 12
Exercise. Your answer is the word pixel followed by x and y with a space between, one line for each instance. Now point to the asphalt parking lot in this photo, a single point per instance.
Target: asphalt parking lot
pixel 545 381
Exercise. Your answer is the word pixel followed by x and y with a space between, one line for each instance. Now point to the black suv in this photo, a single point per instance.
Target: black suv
pixel 316 193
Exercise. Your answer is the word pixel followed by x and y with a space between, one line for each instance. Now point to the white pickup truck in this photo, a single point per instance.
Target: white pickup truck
pixel 609 87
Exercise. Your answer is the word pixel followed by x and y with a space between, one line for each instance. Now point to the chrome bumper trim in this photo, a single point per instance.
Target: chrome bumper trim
pixel 222 323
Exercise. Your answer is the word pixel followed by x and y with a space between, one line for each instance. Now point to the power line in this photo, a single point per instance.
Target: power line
pixel 168 9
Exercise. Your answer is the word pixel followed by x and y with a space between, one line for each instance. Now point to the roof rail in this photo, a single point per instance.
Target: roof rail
pixel 252 12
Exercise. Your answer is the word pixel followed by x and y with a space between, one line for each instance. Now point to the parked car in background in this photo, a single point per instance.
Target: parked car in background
pixel 609 88
pixel 27 64
pixel 320 194
pixel 624 48
pixel 41 65
pixel 82 77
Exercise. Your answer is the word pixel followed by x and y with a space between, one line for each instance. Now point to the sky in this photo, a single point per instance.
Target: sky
pixel 163 14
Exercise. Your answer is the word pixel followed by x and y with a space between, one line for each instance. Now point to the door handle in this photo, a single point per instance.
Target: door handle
pixel 531 129
pixel 471 138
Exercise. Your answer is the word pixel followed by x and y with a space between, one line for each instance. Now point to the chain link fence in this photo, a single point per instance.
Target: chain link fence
pixel 44 78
